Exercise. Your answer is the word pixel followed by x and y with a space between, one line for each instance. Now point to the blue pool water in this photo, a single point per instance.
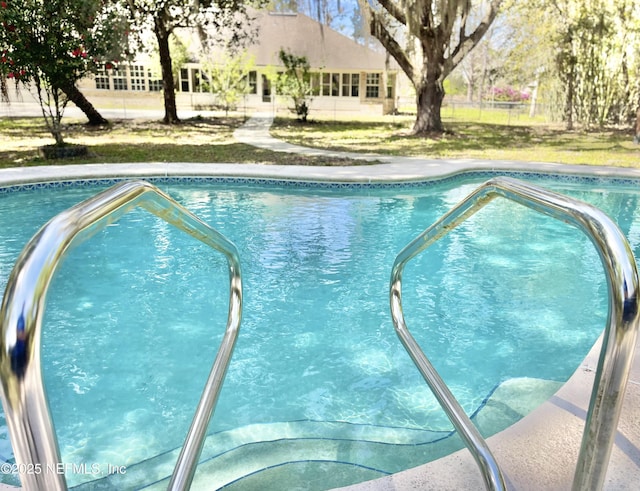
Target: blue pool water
pixel 506 307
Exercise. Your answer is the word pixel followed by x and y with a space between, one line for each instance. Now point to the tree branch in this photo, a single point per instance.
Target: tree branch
pixel 467 43
pixel 393 10
pixel 463 24
pixel 391 45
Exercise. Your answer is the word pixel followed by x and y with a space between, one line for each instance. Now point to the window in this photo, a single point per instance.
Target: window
pixel 355 84
pixel 205 81
pixel 155 84
pixel 373 86
pixel 196 78
pixel 346 84
pixel 350 84
pixel 120 79
pixel 331 84
pixel 138 81
pixel 391 82
pixel 326 84
pixel 335 84
pixel 316 86
pixel 102 80
pixel 266 89
pixel 253 82
pixel 184 80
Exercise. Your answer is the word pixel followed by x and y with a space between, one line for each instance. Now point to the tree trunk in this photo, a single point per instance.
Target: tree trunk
pixel 636 138
pixel 569 100
pixel 168 85
pixel 429 97
pixel 74 95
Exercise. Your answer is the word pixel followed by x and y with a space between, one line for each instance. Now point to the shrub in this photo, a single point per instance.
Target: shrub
pixel 509 94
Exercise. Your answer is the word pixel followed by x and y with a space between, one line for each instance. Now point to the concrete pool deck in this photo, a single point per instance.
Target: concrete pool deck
pixel 537 453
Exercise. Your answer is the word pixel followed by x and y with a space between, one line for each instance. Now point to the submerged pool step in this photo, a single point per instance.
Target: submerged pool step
pixel 321 455
pixel 511 401
pixel 313 456
pixel 231 455
pixel 310 476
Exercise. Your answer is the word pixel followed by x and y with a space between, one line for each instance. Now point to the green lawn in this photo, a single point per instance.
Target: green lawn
pixel 522 140
pixel 196 140
pixel 494 135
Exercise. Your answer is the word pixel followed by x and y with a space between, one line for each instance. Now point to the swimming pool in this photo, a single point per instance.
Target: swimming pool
pixel 364 400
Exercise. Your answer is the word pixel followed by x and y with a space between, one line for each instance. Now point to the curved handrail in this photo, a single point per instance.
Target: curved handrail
pixel 619 338
pixel 23 393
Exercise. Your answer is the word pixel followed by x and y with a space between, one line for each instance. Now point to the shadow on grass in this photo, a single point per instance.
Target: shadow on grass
pixel 192 126
pixel 314 125
pixel 475 136
pixel 172 152
pixel 211 140
pixel 469 137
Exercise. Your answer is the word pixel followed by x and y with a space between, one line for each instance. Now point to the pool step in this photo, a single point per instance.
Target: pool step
pixel 349 460
pixel 323 455
pixel 511 401
pixel 231 455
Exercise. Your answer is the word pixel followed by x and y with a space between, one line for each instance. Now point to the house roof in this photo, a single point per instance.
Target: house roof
pixel 302 36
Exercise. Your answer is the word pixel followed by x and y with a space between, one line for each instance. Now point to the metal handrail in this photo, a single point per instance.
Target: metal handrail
pixel 23 393
pixel 619 337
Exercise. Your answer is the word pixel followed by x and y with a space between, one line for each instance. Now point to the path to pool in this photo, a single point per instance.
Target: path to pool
pixel 539 452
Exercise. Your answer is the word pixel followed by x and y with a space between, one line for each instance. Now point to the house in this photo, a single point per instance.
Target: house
pixel 345 75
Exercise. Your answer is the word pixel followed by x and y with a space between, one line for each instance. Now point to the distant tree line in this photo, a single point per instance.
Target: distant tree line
pixel 581 56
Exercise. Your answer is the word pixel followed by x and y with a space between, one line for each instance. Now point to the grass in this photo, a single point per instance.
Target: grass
pixel 494 136
pixel 195 140
pixel 521 140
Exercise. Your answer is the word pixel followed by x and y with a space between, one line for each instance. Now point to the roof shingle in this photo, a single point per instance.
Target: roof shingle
pixel 302 36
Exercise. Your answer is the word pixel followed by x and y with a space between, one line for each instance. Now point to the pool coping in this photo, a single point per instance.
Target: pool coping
pixel 405 170
pixel 540 451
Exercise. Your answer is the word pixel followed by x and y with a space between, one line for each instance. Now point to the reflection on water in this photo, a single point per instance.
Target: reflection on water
pixel 135 315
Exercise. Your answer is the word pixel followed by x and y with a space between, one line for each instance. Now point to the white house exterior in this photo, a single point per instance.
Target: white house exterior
pixel 346 76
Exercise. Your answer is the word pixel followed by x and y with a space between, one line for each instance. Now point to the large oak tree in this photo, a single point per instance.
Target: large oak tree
pixel 428 39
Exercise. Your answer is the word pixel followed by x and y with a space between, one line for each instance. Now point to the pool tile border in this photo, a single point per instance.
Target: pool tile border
pixel 302 183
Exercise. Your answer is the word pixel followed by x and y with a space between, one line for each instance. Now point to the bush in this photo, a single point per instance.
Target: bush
pixel 509 94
